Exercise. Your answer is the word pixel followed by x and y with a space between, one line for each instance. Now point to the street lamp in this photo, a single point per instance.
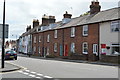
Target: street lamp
pixel 3 37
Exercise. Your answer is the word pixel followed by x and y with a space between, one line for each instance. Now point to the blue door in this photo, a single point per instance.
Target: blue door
pixel 61 50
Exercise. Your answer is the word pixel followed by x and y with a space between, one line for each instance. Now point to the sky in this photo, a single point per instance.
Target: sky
pixel 20 13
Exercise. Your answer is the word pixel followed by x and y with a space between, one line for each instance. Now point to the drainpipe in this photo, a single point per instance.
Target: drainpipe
pixel 63 40
pixel 98 41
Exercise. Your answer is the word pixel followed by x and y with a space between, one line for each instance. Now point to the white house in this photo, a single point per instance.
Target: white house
pixel 109 32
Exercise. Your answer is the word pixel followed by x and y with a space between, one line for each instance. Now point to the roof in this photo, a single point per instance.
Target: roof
pixel 102 16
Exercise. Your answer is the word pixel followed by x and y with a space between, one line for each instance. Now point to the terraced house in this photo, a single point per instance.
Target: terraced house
pixel 86 37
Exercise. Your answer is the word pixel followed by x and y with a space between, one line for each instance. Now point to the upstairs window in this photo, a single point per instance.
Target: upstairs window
pixel 35 39
pixel 55 34
pixel 73 47
pixel 48 38
pixel 55 47
pixel 73 32
pixel 39 38
pixel 85 48
pixel 115 26
pixel 85 30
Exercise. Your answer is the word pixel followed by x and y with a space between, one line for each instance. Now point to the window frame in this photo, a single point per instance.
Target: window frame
pixel 95 48
pixel 72 48
pixel 48 38
pixel 35 38
pixel 55 33
pixel 72 31
pixel 85 28
pixel 83 48
pixel 55 47
pixel 40 38
pixel 114 25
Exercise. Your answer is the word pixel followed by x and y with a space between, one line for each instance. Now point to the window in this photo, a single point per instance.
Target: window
pixel 73 47
pixel 39 38
pixel 47 50
pixel 34 49
pixel 73 32
pixel 55 34
pixel 55 47
pixel 115 26
pixel 115 48
pixel 85 30
pixel 85 48
pixel 95 48
pixel 48 38
pixel 39 49
pixel 35 39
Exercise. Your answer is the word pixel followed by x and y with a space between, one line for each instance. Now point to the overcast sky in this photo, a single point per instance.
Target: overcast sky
pixel 20 13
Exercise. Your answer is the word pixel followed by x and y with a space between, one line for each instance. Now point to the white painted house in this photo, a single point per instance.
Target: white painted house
pixel 110 32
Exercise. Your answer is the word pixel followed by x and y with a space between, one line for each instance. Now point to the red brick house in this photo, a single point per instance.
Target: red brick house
pixel 77 37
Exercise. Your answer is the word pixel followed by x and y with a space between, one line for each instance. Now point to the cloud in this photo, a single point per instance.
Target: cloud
pixel 20 13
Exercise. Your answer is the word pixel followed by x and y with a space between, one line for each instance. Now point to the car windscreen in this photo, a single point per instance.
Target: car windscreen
pixel 10 52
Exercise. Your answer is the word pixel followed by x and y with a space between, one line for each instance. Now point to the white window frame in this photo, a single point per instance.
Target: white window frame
pixel 35 39
pixel 39 50
pixel 72 47
pixel 55 33
pixel 95 48
pixel 39 38
pixel 48 50
pixel 85 28
pixel 72 31
pixel 48 38
pixel 84 48
pixel 55 47
pixel 34 48
pixel 114 25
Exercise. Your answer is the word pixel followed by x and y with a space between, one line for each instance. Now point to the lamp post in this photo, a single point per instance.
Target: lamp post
pixel 3 37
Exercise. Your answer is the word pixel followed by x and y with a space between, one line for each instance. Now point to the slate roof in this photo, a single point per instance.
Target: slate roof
pixel 102 16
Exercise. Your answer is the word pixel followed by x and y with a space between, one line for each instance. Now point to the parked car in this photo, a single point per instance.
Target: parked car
pixel 10 55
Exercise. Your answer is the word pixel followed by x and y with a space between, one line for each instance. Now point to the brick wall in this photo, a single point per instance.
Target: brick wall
pixel 64 35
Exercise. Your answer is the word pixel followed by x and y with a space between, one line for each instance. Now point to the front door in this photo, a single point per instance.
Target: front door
pixel 65 50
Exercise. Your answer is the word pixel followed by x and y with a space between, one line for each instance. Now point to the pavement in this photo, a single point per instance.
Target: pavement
pixel 8 67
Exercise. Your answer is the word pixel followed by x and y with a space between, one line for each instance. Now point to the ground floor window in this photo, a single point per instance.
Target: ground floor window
pixel 115 48
pixel 85 48
pixel 47 50
pixel 72 47
pixel 55 47
pixel 95 48
pixel 34 49
pixel 39 49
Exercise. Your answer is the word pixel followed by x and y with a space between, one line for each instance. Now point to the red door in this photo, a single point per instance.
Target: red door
pixel 65 50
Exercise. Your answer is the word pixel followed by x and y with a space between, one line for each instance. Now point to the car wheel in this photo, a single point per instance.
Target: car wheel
pixel 15 58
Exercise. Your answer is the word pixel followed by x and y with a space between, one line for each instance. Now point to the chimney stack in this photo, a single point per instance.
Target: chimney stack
pixel 35 23
pixel 95 7
pixel 28 28
pixel 66 15
pixel 46 20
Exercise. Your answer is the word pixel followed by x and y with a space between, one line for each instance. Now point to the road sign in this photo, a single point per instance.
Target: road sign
pixel 6 30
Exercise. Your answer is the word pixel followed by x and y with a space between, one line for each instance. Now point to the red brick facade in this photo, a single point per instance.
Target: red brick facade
pixel 64 38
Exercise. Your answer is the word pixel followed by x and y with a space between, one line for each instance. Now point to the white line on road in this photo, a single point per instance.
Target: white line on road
pixel 33 72
pixel 47 77
pixel 25 73
pixel 32 75
pixel 27 70
pixel 38 77
pixel 39 74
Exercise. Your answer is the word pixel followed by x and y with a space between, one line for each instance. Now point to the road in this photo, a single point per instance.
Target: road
pixel 41 68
